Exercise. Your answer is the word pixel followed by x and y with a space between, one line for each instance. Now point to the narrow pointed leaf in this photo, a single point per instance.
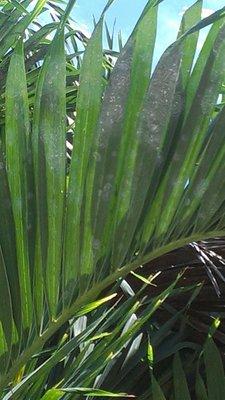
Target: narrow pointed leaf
pixel 191 16
pixel 155 125
pixel 180 384
pixel 8 243
pixel 200 390
pixel 157 393
pixel 129 196
pixel 214 371
pixel 50 163
pixel 17 131
pixel 88 105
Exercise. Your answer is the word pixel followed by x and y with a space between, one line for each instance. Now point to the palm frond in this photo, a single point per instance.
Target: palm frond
pixel 144 179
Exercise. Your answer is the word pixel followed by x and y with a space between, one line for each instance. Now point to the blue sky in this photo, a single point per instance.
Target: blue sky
pixel 127 12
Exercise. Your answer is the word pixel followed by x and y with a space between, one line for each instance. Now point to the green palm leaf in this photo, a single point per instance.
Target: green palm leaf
pixel 17 133
pixel 156 390
pixel 180 384
pixel 214 371
pixel 88 106
pixel 50 164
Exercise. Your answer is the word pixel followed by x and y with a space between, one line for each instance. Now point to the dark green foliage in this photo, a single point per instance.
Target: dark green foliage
pixel 145 176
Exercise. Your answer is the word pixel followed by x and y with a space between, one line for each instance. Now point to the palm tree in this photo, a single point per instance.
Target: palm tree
pixel 144 178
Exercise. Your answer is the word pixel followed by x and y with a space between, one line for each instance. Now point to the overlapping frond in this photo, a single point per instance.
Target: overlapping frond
pixel 146 173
